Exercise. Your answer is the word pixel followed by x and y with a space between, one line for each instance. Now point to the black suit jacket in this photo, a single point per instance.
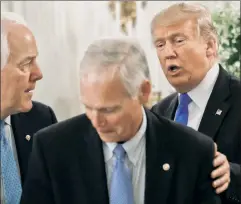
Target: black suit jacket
pixel 224 129
pixel 67 165
pixel 28 123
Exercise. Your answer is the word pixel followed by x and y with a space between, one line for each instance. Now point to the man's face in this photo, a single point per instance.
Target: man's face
pixel 19 76
pixel 114 115
pixel 183 55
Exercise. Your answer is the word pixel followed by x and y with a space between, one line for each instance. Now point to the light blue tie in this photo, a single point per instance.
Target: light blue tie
pixel 121 190
pixel 9 171
pixel 182 109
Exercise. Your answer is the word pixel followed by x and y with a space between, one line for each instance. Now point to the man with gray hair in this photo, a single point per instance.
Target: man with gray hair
pixel 20 117
pixel 118 152
pixel 208 99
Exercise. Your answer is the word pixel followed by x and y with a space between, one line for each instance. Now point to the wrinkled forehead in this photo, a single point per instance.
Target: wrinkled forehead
pixel 187 27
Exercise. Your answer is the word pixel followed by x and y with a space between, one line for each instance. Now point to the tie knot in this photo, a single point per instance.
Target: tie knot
pixel 185 99
pixel 119 152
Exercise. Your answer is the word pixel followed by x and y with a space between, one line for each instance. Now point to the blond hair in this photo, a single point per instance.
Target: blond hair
pixel 187 11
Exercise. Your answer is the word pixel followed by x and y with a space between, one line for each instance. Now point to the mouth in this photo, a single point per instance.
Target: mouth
pixel 105 131
pixel 174 69
pixel 29 91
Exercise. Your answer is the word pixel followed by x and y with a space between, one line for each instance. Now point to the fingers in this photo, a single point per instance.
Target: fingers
pixel 222 173
pixel 215 148
pixel 222 181
pixel 222 188
pixel 219 159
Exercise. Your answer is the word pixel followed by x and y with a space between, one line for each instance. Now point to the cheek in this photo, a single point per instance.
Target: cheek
pixel 160 57
pixel 193 54
pixel 118 122
pixel 23 80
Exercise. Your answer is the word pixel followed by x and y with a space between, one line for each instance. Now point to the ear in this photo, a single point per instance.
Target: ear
pixel 211 48
pixel 145 91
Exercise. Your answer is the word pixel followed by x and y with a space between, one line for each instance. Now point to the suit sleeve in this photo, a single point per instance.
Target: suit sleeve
pixel 37 187
pixel 233 193
pixel 205 192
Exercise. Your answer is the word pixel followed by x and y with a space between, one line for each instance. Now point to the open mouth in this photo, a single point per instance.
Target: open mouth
pixel 173 69
pixel 29 91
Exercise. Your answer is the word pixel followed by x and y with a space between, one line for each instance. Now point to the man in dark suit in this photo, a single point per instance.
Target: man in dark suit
pixel 20 117
pixel 24 126
pixel 212 96
pixel 118 152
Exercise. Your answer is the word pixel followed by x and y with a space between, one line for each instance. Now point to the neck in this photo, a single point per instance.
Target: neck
pixel 5 111
pixel 137 125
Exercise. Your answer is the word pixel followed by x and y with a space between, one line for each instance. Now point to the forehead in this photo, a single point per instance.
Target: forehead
pixel 21 42
pixel 102 92
pixel 184 27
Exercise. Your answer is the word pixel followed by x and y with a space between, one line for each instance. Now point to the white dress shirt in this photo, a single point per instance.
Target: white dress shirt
pixel 200 96
pixel 135 160
pixel 10 138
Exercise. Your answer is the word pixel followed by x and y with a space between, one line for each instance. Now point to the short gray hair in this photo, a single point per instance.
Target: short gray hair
pixel 8 18
pixel 123 56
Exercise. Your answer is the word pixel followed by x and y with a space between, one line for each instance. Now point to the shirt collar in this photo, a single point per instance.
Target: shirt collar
pixel 7 120
pixel 131 147
pixel 201 93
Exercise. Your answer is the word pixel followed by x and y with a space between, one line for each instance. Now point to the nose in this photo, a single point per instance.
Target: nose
pixel 36 73
pixel 169 52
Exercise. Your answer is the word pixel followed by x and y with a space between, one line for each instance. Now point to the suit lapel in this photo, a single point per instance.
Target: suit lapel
pixel 95 174
pixel 22 142
pixel 158 157
pixel 171 109
pixel 19 123
pixel 217 107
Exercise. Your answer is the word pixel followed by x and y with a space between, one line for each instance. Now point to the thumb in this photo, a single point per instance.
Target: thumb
pixel 215 149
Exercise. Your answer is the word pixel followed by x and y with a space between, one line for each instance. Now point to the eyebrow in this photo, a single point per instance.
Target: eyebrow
pixel 101 108
pixel 171 36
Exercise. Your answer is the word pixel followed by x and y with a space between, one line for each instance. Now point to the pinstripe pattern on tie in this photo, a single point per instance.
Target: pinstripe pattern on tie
pixel 9 171
pixel 121 190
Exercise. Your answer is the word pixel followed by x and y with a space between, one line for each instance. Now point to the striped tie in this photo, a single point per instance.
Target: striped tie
pixel 121 191
pixel 9 171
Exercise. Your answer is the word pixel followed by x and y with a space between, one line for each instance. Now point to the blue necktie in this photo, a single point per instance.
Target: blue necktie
pixel 182 109
pixel 9 171
pixel 121 190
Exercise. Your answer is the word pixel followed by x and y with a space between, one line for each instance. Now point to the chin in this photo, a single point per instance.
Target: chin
pixel 180 84
pixel 108 137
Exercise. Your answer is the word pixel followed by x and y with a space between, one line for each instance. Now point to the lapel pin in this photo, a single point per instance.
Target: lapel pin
pixel 218 112
pixel 166 167
pixel 28 137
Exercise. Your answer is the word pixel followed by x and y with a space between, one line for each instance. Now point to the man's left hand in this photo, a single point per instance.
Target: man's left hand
pixel 221 174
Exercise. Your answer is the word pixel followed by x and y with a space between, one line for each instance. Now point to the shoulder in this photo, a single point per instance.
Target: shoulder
pixel 65 132
pixel 163 104
pixel 182 140
pixel 41 111
pixel 235 86
pixel 39 107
